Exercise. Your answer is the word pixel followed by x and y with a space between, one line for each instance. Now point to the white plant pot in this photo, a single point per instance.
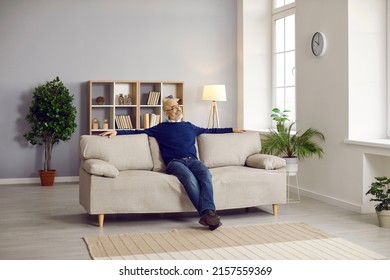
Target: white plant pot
pixel 384 218
pixel 291 166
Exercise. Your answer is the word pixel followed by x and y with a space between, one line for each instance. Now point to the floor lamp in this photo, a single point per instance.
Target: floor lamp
pixel 214 93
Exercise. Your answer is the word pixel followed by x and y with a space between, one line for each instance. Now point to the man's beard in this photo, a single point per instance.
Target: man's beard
pixel 177 117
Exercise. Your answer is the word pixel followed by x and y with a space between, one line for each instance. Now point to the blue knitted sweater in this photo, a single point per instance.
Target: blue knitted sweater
pixel 176 139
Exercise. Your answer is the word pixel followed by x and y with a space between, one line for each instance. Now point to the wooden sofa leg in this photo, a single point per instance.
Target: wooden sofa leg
pixel 275 209
pixel 101 220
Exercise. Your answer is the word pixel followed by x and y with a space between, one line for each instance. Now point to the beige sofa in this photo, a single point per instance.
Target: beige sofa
pixel 125 174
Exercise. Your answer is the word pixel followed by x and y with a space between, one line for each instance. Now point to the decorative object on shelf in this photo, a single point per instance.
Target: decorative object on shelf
pixel 319 44
pixel 153 98
pixel 100 100
pixel 381 192
pixel 150 120
pixel 47 126
pixel 129 100
pixel 121 99
pixel 123 122
pixel 95 124
pixel 171 97
pixel 105 124
pixel 214 93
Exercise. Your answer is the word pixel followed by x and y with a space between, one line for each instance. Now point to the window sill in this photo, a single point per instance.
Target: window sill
pixel 377 143
pixel 265 131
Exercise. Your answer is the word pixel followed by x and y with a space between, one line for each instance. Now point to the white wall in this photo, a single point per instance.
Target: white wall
pixel 367 69
pixel 179 40
pixel 337 92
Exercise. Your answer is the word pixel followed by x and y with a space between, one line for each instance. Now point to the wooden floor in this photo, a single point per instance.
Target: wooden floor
pixel 48 222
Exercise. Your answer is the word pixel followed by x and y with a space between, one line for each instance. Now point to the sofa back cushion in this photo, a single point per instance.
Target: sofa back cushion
pixel 124 152
pixel 158 163
pixel 217 150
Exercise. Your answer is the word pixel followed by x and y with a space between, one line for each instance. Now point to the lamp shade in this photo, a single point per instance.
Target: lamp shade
pixel 214 92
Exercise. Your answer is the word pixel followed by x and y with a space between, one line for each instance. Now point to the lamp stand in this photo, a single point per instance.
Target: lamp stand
pixel 214 118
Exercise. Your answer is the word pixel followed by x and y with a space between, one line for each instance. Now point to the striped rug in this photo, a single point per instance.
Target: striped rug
pixel 281 241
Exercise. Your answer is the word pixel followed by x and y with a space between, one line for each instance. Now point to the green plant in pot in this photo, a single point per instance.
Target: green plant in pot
pixel 52 119
pixel 380 191
pixel 292 146
pixel 280 117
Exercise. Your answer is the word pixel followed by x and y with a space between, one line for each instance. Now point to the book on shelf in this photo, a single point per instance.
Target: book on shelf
pixel 153 98
pixel 150 120
pixel 123 122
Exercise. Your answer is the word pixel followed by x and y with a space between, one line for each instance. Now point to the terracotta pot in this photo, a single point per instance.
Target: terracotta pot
pixel 47 177
pixel 384 218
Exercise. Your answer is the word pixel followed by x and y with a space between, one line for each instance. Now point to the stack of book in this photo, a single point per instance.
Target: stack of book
pixel 151 120
pixel 154 97
pixel 123 122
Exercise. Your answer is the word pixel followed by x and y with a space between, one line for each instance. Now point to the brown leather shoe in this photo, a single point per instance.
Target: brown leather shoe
pixel 215 227
pixel 210 218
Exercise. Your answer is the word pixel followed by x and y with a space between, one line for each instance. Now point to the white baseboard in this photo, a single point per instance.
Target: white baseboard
pixel 17 181
pixel 331 200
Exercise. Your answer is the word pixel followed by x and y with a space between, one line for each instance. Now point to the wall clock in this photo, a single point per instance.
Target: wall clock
pixel 318 44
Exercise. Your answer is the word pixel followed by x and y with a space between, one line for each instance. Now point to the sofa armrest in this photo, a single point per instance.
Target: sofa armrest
pixel 263 161
pixel 100 168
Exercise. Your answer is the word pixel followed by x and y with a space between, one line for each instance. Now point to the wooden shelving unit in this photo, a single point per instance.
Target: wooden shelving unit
pixel 143 101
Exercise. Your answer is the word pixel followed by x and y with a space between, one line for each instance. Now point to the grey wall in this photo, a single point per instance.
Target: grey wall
pixel 179 40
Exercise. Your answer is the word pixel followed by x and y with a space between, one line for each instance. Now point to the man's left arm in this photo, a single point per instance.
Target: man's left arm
pixel 218 130
pixel 224 130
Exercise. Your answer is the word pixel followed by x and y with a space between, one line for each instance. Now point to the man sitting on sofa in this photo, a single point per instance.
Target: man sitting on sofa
pixel 176 140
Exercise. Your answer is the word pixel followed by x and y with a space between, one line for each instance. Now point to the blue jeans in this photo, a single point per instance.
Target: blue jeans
pixel 196 180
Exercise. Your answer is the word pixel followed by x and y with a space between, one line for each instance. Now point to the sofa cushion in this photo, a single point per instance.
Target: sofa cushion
pixel 158 163
pixel 268 162
pixel 217 150
pixel 100 168
pixel 242 186
pixel 124 152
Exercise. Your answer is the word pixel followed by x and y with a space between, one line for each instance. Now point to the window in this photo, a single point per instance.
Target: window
pixel 282 3
pixel 283 49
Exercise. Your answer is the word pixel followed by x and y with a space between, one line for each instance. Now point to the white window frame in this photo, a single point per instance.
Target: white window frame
pixel 282 8
pixel 279 13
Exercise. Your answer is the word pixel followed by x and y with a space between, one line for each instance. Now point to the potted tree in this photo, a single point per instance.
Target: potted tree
pixel 292 146
pixel 52 119
pixel 381 192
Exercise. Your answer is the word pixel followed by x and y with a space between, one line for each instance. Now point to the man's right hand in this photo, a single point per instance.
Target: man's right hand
pixel 109 133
